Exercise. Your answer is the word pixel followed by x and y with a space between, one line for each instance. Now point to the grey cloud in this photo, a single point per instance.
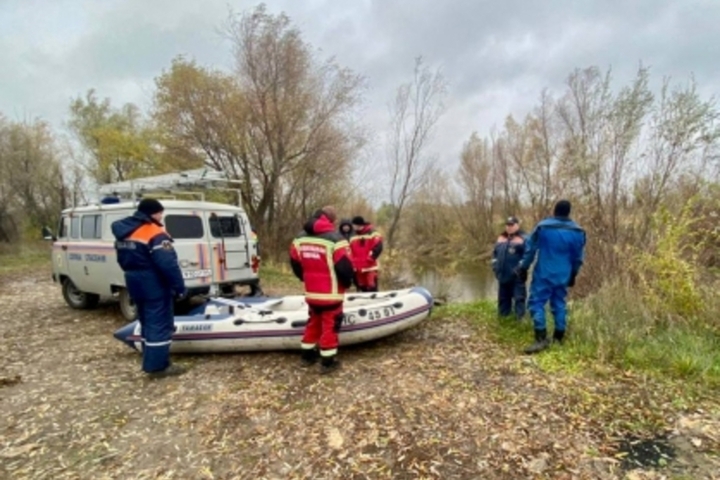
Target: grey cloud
pixel 497 56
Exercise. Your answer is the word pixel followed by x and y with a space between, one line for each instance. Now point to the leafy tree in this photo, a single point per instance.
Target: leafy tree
pixel 120 144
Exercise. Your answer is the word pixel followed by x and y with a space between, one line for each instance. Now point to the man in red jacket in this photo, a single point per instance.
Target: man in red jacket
pixel 320 257
pixel 366 246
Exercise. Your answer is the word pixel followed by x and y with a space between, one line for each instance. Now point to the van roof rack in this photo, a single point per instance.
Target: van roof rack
pixel 171 183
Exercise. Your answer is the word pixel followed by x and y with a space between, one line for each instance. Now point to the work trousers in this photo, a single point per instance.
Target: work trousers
pixel 366 281
pixel 157 323
pixel 322 328
pixel 541 292
pixel 509 292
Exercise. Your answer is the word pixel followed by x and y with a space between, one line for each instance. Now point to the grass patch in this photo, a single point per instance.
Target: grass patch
pixel 278 276
pixel 612 330
pixel 16 257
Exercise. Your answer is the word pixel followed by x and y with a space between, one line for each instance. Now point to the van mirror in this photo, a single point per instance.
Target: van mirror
pixel 47 234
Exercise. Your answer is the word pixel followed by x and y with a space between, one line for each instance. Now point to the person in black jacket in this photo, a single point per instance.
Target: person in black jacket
pixel 346 228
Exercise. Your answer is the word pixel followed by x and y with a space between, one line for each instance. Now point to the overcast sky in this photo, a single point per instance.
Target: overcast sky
pixel 497 55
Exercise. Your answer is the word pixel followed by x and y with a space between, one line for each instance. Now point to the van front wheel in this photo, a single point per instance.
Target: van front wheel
pixel 127 306
pixel 76 298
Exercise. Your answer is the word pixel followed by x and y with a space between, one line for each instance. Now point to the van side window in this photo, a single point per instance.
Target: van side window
pixel 75 227
pixel 184 226
pixel 225 227
pixel 91 226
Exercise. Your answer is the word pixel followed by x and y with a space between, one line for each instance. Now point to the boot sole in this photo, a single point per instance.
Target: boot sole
pixel 329 370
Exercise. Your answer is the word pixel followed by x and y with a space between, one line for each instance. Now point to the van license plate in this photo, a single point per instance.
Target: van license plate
pixel 196 274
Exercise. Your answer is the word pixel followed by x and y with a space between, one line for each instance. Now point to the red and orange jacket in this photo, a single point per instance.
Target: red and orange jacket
pixel 366 246
pixel 320 257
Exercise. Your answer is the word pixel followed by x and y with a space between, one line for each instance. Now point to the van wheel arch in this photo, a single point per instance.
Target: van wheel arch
pixel 128 308
pixel 76 298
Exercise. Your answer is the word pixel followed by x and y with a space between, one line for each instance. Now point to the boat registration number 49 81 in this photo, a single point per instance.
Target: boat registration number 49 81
pixel 374 314
pixel 196 273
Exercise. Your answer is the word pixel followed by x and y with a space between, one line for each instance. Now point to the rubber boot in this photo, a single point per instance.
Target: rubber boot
pixel 171 371
pixel 558 336
pixel 329 365
pixel 309 357
pixel 541 342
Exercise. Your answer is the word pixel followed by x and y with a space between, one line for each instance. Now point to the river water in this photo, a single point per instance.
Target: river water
pixel 463 285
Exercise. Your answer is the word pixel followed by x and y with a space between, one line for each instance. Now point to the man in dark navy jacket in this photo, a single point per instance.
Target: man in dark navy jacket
pixel 509 250
pixel 153 279
pixel 559 244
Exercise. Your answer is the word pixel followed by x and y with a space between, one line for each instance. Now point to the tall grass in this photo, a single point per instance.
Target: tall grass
pixel 615 327
pixel 27 255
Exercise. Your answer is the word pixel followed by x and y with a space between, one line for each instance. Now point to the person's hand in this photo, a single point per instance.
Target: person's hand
pixel 520 272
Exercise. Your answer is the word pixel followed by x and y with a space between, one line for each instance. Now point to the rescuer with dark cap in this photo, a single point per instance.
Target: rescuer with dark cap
pixel 154 280
pixel 559 243
pixel 509 250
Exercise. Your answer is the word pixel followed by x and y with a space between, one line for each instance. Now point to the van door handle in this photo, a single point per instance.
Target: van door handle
pixel 194 264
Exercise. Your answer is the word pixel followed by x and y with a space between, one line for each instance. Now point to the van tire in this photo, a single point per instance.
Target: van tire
pixel 77 299
pixel 127 306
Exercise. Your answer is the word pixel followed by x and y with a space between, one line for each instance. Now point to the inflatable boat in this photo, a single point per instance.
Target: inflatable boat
pixel 266 323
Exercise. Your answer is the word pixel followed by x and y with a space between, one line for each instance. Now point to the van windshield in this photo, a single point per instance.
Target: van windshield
pixel 225 227
pixel 184 226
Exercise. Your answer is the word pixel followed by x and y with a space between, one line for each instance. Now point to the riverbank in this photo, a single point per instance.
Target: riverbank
pixel 451 398
pixel 610 330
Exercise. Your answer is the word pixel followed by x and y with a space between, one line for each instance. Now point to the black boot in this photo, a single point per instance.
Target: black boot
pixel 558 336
pixel 329 365
pixel 309 357
pixel 541 342
pixel 171 371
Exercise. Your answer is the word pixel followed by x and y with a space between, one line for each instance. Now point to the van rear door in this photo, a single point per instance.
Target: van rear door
pixel 187 228
pixel 230 242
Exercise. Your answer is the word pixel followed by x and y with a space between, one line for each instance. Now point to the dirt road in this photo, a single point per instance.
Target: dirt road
pixel 440 401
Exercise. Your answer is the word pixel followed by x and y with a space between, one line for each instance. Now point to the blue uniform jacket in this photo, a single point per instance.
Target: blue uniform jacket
pixel 560 247
pixel 146 255
pixel 508 252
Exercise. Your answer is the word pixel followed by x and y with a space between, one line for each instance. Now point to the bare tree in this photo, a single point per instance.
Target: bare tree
pixel 282 124
pixel 32 190
pixel 417 108
pixel 478 180
pixel 685 133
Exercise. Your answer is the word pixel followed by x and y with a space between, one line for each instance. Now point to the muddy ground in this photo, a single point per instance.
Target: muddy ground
pixel 440 401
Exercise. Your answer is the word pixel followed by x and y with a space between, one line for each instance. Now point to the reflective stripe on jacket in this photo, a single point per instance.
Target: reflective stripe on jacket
pixel 320 257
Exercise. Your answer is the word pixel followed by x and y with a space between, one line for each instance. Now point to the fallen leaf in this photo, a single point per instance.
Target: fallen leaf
pixel 335 438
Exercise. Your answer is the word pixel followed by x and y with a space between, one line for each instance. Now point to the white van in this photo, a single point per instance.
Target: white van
pixel 214 243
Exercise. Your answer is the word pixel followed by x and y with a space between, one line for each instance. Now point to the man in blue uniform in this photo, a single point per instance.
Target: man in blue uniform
pixel 559 243
pixel 508 251
pixel 153 279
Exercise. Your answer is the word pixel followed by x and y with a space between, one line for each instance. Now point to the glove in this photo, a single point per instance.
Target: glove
pixel 520 272
pixel 571 282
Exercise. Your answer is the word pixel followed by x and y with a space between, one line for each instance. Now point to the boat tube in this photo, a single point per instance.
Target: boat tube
pixel 278 323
